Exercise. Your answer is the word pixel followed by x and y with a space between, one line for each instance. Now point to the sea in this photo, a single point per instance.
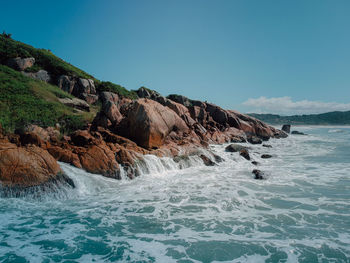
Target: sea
pixel 187 212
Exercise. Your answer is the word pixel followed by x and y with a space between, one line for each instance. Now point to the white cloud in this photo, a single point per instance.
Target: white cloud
pixel 285 105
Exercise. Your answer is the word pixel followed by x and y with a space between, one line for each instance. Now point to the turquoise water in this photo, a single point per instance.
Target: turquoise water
pixel 300 213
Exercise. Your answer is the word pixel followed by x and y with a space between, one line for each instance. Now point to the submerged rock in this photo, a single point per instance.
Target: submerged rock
pixel 298 133
pixel 245 154
pixel 259 175
pixel 206 160
pixel 267 145
pixel 266 156
pixel 255 162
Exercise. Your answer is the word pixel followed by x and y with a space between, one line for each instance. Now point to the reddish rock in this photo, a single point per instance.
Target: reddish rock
pixel 148 123
pixel 82 138
pixel 65 155
pixel 26 166
pixel 111 111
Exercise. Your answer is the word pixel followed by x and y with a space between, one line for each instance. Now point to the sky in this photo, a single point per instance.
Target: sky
pixel 284 57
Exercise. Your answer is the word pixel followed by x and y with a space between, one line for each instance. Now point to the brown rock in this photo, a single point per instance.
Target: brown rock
pixel 82 138
pixel 111 111
pixel 245 154
pixel 65 155
pixel 26 166
pixel 148 123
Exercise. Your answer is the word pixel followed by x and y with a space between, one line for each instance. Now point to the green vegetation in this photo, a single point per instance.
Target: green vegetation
pixel 45 59
pixel 24 100
pixel 115 88
pixel 329 118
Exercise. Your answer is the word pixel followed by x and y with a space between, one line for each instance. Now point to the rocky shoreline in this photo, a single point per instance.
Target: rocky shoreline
pixel 122 132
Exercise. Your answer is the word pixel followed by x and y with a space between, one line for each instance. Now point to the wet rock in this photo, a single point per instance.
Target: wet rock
pixel 20 63
pixel 26 166
pixel 254 140
pixel 259 175
pixel 266 156
pixel 298 133
pixel 286 128
pixel 245 154
pixel 267 145
pixel 64 155
pixel 235 148
pixel 218 158
pixel 206 160
pixel 255 162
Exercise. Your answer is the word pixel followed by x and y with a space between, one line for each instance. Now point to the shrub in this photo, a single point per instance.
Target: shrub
pixel 115 88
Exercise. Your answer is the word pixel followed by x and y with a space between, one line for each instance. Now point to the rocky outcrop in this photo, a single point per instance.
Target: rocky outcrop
pixel 76 103
pixel 42 75
pixel 82 88
pixel 148 123
pixel 27 166
pixel 20 63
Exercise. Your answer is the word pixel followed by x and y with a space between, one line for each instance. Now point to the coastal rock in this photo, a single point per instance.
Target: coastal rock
pixel 254 140
pixel 245 154
pixel 84 86
pixel 235 148
pixel 266 156
pixel 26 166
pixel 298 133
pixel 101 120
pixel 255 162
pixel 82 138
pixel 76 103
pixel 148 123
pixel 286 128
pixel 65 155
pixel 89 98
pixel 259 175
pixel 267 145
pixel 180 99
pixel 206 160
pixel 109 96
pixel 20 63
pixel 110 109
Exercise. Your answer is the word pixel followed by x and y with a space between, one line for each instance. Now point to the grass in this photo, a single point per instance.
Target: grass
pixel 24 100
pixel 44 59
pixel 115 88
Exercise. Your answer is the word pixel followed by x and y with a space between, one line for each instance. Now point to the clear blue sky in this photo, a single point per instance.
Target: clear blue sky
pixel 222 51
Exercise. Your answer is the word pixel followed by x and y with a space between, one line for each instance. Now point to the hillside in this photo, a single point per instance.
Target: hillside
pixel 329 118
pixel 31 95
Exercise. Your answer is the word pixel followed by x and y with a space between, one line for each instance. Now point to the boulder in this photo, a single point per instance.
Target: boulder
pixel 31 138
pixel 109 96
pixel 20 63
pixel 267 145
pixel 75 103
pixel 266 156
pixel 180 99
pixel 82 138
pixel 148 123
pixel 111 111
pixel 235 148
pixel 143 93
pixel 255 162
pixel 42 75
pixel 26 166
pixel 64 155
pixel 84 86
pixel 254 140
pixel 101 120
pixel 89 98
pixel 245 154
pixel 66 83
pixel 286 128
pixel 259 175
pixel 206 160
